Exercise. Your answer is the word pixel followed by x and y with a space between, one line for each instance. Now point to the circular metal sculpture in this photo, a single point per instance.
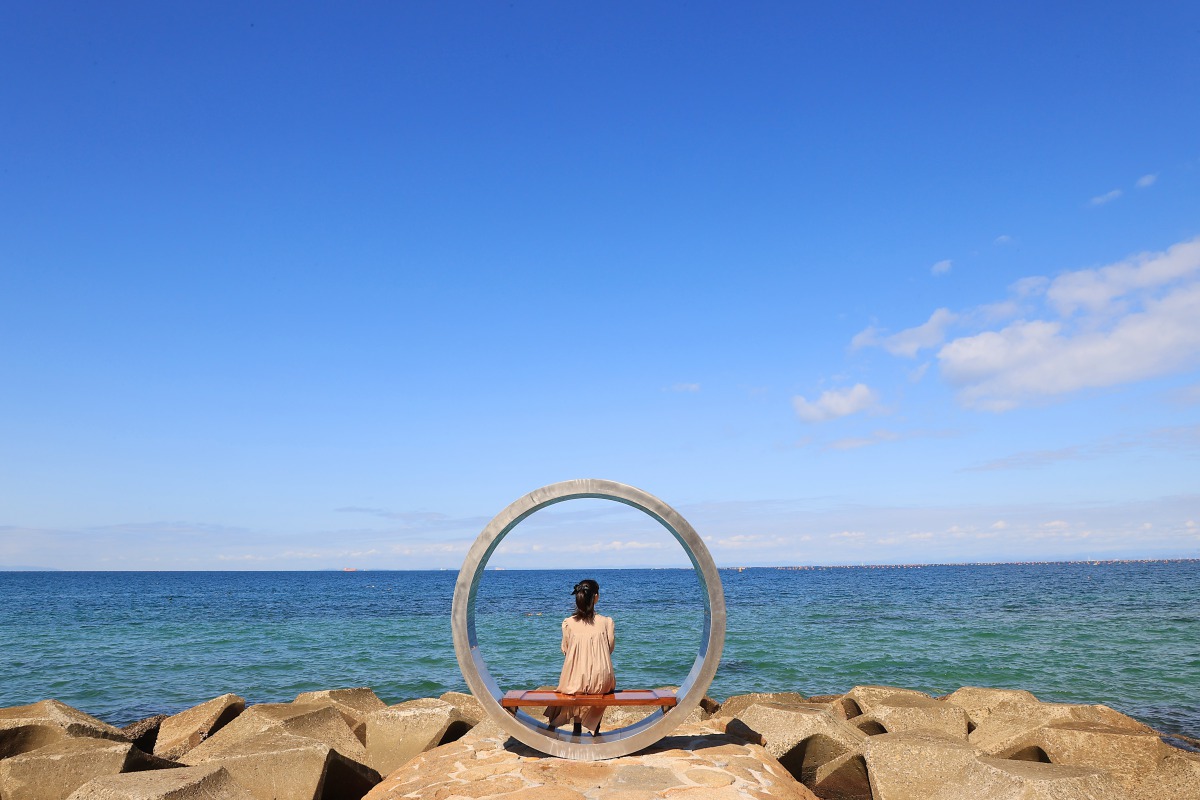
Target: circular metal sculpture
pixel 525 728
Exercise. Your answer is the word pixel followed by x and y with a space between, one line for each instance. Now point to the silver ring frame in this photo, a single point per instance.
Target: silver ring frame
pixel 526 729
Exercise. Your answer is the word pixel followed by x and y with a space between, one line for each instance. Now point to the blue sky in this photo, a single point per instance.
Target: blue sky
pixel 285 286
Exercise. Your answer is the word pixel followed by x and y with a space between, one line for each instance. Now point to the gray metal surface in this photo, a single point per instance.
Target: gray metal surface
pixel 525 728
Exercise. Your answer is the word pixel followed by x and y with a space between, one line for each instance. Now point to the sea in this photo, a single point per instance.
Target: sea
pixel 126 645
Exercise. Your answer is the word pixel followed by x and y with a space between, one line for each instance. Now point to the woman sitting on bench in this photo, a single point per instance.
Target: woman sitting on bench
pixel 587 645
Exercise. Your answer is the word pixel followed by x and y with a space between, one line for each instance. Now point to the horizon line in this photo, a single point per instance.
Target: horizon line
pixel 777 567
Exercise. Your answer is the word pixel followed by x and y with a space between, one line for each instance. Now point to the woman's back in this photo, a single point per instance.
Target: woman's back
pixel 587 648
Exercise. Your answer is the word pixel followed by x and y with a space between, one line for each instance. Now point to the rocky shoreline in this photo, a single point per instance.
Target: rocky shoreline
pixel 871 743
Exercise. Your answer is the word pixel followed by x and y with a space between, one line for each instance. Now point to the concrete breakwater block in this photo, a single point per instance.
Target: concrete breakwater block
pixel 979 702
pixel 274 764
pixel 863 699
pixel 914 712
pixel 208 782
pixel 144 732
pixel 1136 757
pixel 739 702
pixel 999 742
pixel 467 705
pixel 355 705
pixel 805 738
pixel 290 751
pixel 25 728
pixel 924 765
pixel 319 722
pixel 396 734
pixel 178 734
pixel 54 771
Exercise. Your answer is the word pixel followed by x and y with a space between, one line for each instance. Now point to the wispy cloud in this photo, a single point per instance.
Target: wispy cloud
pixel 411 517
pixel 1175 438
pixel 854 443
pixel 684 387
pixel 836 403
pixel 1002 240
pixel 910 341
pixel 176 528
pixel 1147 180
pixel 941 267
pixel 1107 197
pixel 882 436
pixel 752 541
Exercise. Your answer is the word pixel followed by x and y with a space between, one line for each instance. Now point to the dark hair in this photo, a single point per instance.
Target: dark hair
pixel 585 593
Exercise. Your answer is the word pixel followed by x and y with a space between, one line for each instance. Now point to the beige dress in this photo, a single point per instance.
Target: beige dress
pixel 587 668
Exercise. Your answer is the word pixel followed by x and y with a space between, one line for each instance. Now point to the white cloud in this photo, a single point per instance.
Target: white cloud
pixel 1135 319
pixel 836 403
pixel 685 387
pixel 1095 290
pixel 1002 239
pixel 941 267
pixel 999 525
pixel 998 370
pixel 1147 180
pixel 1107 197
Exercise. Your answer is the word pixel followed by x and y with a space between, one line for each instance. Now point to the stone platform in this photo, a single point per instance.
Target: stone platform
pixel 697 761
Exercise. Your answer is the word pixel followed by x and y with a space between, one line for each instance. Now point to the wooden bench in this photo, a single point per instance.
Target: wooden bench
pixel 516 698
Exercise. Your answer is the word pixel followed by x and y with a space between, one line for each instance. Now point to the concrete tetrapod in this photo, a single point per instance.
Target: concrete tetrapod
pixel 525 728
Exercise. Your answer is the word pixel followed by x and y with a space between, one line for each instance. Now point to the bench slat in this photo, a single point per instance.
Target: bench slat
pixel 630 697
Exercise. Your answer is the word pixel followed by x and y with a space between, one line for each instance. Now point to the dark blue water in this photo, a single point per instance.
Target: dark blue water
pixel 123 646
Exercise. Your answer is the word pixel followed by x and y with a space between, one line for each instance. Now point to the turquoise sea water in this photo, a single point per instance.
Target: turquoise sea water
pixel 123 646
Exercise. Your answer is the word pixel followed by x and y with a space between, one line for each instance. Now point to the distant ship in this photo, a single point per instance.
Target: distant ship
pixel 349 569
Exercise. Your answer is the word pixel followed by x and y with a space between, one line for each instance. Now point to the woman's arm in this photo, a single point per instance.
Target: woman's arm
pixel 612 634
pixel 564 641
